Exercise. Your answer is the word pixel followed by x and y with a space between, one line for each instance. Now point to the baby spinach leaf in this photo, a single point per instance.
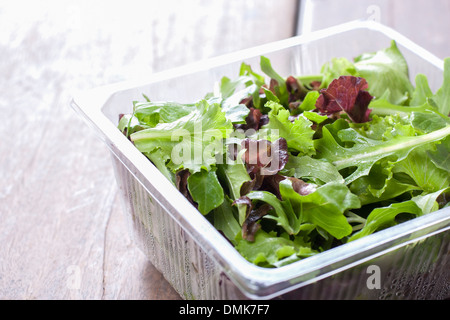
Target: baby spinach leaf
pixel 318 171
pixel 205 190
pixel 224 220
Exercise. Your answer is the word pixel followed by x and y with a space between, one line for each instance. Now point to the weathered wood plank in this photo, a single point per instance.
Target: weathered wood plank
pixel 62 229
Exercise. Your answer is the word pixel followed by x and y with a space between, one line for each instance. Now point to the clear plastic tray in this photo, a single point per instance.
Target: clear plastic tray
pixel 408 261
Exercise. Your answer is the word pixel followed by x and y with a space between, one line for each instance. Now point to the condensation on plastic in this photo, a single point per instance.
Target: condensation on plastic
pixel 407 261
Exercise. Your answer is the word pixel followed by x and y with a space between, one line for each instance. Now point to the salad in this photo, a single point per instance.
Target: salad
pixel 288 167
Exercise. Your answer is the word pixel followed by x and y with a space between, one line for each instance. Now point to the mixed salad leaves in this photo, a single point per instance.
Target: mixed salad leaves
pixel 286 168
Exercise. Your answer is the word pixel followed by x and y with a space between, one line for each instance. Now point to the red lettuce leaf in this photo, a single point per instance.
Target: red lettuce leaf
pixel 252 216
pixel 255 120
pixel 346 94
pixel 182 185
pixel 295 89
pixel 265 157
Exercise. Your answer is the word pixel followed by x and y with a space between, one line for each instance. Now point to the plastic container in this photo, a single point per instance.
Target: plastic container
pixel 407 261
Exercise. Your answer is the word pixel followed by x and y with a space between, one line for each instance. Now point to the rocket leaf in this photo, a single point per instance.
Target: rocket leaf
pixel 385 216
pixel 364 152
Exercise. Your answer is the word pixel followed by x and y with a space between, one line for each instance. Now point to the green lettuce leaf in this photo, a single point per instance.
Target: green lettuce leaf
pixel 428 202
pixel 380 185
pixel 129 124
pixel 309 103
pixel 441 155
pixel 383 69
pixel 425 117
pixel 231 94
pixel 192 141
pixel 280 89
pixel 282 212
pixel 152 113
pixel 422 170
pixel 233 176
pixel 310 169
pixel 298 134
pixel 422 91
pixel 335 68
pixel 256 81
pixel 386 69
pixel 442 96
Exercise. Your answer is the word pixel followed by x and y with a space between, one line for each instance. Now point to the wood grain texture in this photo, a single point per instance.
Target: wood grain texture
pixel 62 230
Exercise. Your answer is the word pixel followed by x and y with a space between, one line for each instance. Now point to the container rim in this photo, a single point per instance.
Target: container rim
pixel 253 281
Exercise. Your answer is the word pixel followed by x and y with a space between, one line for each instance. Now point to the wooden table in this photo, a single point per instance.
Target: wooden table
pixel 62 229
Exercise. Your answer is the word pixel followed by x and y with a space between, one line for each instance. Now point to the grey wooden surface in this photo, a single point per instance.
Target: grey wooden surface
pixel 63 233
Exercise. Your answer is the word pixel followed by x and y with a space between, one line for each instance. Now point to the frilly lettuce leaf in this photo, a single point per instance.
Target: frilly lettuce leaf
pixel 298 134
pixel 188 141
pixel 346 94
pixel 151 113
